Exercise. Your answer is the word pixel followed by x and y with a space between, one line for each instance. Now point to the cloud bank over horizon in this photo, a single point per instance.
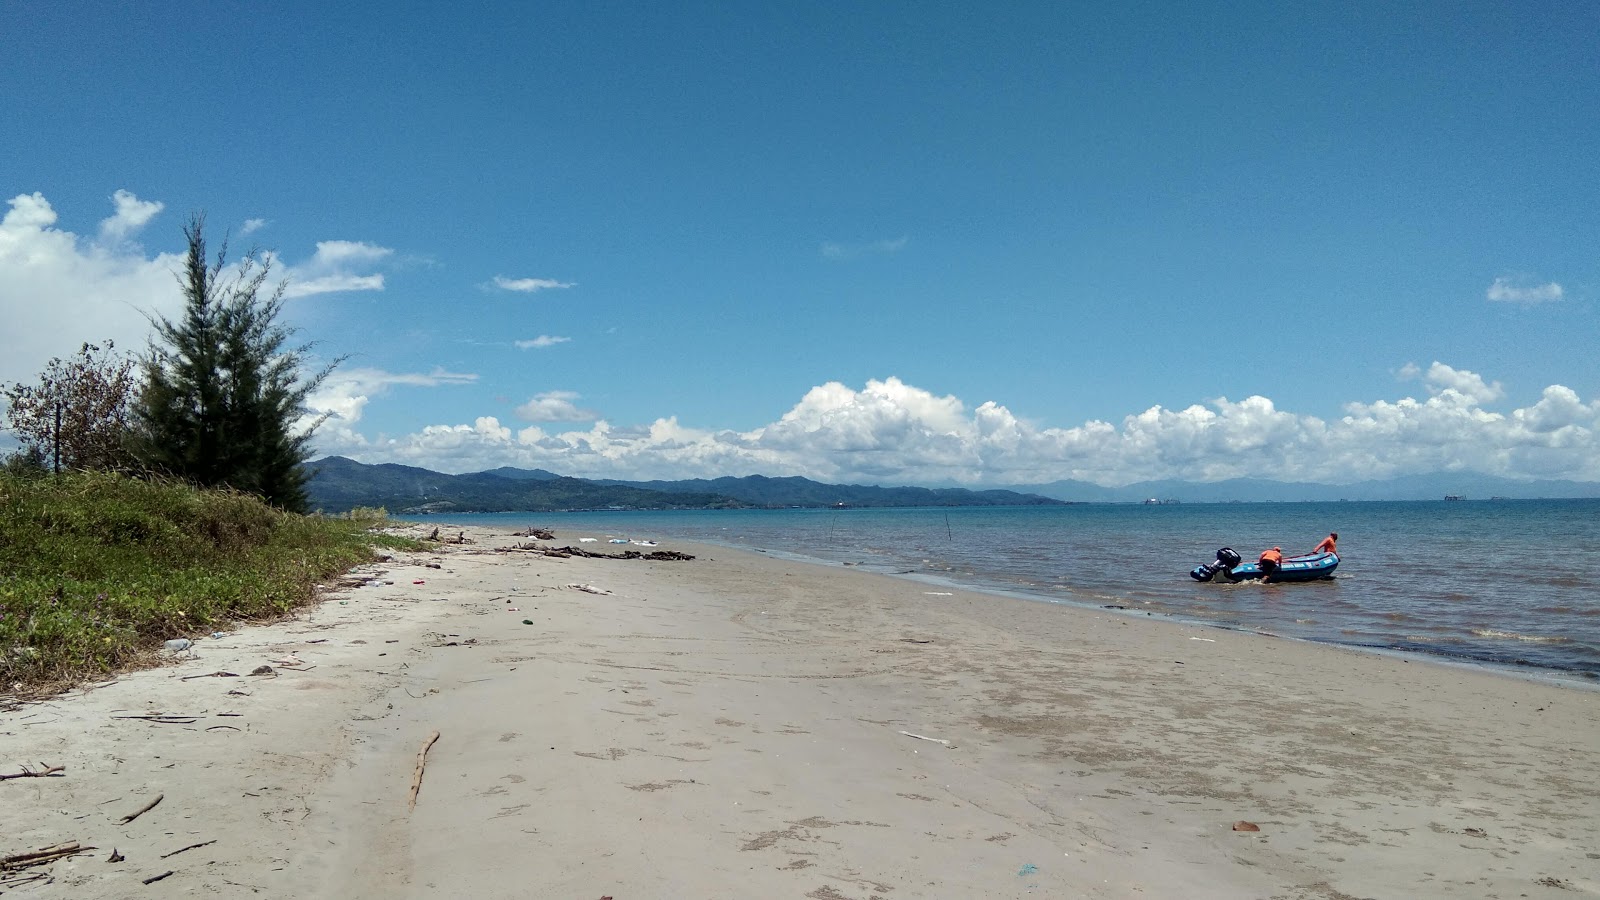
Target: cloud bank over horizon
pixel 55 284
pixel 890 432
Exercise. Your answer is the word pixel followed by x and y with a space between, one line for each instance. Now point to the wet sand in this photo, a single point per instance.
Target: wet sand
pixel 740 726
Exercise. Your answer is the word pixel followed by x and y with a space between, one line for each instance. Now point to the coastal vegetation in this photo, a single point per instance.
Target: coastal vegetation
pixel 219 398
pixel 97 569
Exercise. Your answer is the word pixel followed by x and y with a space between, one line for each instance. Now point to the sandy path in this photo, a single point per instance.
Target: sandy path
pixel 731 727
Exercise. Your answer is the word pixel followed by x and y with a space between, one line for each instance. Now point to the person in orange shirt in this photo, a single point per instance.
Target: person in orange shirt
pixel 1271 561
pixel 1327 545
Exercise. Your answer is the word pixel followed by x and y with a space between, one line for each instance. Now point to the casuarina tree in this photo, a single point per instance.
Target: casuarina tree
pixel 77 415
pixel 223 400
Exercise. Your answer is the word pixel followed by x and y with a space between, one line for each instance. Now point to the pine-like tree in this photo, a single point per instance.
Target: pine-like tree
pixel 223 400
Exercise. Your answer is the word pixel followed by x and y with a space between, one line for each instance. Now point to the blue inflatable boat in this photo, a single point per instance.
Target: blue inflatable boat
pixel 1228 567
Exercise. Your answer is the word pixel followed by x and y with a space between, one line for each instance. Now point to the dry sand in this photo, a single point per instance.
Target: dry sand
pixel 736 726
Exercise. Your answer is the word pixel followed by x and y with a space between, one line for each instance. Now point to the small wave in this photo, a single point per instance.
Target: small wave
pixel 1513 636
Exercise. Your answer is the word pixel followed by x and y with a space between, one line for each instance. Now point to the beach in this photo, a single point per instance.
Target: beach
pixel 739 725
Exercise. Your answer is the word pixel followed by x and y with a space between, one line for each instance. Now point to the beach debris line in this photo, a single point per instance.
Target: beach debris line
pixel 569 550
pixel 141 810
pixel 44 771
pixel 923 737
pixel 422 762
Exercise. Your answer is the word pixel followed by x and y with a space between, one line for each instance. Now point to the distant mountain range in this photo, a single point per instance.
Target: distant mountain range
pixel 338 484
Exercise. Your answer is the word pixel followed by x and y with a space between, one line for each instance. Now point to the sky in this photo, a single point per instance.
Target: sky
pixel 891 242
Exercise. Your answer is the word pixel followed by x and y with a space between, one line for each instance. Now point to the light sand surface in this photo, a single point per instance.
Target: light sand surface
pixel 735 726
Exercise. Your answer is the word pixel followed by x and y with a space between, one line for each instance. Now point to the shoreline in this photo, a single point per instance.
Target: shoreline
pixel 1535 672
pixel 747 725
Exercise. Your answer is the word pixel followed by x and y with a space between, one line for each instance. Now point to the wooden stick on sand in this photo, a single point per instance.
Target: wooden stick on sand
pixel 39 857
pixel 422 760
pixel 46 771
pixel 146 808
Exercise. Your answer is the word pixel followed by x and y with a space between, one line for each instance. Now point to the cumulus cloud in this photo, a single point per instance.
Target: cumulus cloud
pixel 554 406
pixel 1455 385
pixel 337 266
pixel 541 342
pixel 132 214
pixel 529 285
pixel 346 391
pixel 836 250
pixel 892 432
pixel 251 226
pixel 58 290
pixel 1521 290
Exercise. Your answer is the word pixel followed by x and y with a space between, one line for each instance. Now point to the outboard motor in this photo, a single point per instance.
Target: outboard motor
pixel 1227 558
pixel 1203 572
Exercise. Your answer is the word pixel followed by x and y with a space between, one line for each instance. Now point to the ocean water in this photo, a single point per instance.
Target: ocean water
pixel 1498 582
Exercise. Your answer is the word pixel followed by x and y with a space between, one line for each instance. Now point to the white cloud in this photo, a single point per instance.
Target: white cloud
pixel 346 392
pixel 892 432
pixel 836 250
pixel 541 342
pixel 529 285
pixel 335 267
pixel 554 406
pixel 132 214
pixel 251 226
pixel 1456 385
pixel 58 290
pixel 1521 290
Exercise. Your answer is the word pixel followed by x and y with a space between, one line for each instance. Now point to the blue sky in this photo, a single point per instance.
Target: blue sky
pixel 1328 244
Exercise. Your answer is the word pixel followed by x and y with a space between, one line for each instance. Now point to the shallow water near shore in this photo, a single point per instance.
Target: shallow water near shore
pixel 1497 582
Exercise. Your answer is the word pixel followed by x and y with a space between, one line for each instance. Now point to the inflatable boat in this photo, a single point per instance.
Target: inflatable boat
pixel 1229 567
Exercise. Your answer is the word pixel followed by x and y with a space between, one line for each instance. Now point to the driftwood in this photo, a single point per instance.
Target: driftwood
pixel 45 772
pixel 146 808
pixel 163 719
pixel 921 737
pixel 190 847
pixel 422 760
pixel 211 675
pixel 40 857
pixel 543 534
pixel 155 878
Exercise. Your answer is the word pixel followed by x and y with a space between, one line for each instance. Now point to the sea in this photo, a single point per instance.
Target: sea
pixel 1511 584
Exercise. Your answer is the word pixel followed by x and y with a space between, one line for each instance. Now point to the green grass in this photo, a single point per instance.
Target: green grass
pixel 96 569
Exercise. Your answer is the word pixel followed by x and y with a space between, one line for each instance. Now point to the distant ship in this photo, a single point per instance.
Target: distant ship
pixel 1454 497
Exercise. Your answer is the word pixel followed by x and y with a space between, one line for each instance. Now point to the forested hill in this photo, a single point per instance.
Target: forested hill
pixel 338 484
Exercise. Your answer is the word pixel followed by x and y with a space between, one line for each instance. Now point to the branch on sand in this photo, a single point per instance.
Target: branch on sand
pixel 422 760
